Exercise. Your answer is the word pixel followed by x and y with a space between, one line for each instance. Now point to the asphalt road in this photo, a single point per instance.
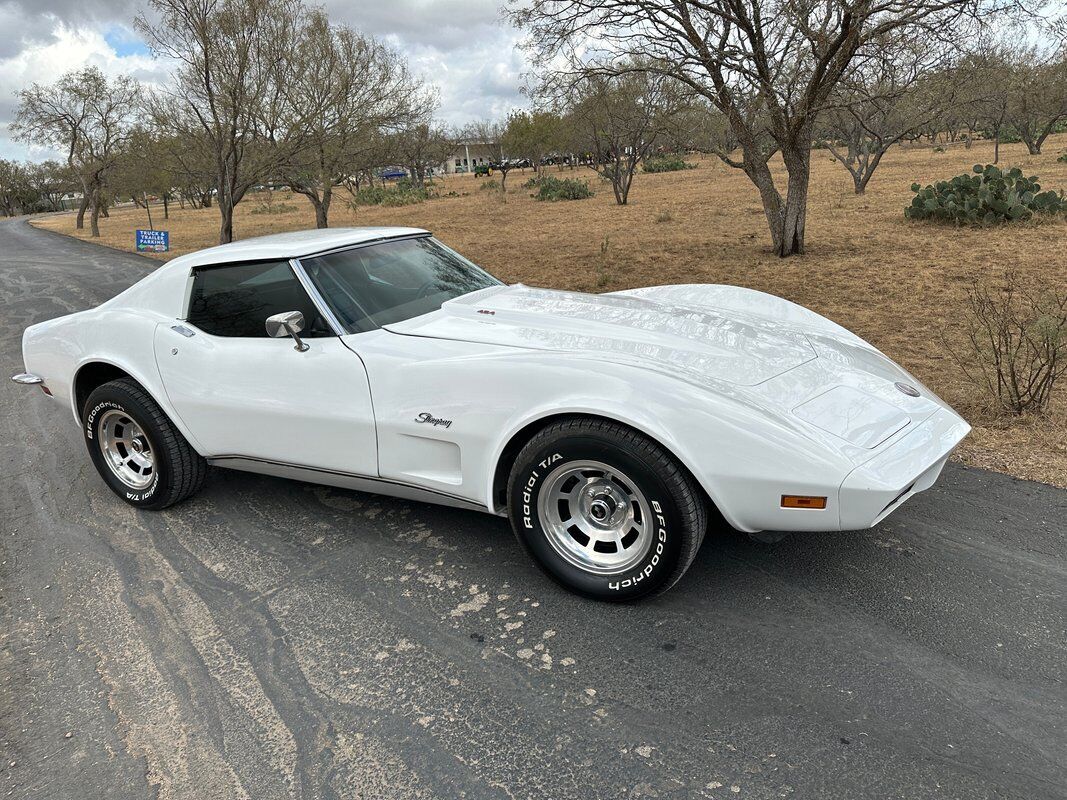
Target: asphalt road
pixel 276 639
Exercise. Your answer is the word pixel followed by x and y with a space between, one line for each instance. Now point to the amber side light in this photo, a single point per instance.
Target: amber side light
pixel 800 501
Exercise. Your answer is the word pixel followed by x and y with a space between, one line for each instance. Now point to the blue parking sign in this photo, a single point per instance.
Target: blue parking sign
pixel 156 241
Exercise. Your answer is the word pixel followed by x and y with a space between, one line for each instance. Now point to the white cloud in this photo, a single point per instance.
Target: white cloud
pixel 461 46
pixel 69 49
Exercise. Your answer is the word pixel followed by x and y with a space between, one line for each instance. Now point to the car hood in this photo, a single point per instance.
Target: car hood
pixel 736 349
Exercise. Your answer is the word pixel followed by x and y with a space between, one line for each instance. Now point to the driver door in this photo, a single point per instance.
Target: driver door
pixel 241 393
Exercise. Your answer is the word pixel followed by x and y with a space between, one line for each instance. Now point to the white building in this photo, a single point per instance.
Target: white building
pixel 471 154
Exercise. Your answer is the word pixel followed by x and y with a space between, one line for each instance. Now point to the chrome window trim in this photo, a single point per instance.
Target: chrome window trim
pixel 316 297
pixel 367 243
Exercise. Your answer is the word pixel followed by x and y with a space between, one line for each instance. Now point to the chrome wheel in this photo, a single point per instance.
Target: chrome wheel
pixel 126 449
pixel 595 517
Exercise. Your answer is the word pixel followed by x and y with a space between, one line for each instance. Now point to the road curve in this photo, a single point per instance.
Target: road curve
pixel 271 639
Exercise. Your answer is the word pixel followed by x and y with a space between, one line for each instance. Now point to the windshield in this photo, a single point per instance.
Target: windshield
pixel 368 287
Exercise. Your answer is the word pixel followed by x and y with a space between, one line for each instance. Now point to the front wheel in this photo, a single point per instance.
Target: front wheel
pixel 604 510
pixel 136 449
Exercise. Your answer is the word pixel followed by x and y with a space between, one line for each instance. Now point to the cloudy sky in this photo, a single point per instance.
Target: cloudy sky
pixel 459 45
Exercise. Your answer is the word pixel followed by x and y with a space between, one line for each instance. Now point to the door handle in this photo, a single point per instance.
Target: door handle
pixel 186 332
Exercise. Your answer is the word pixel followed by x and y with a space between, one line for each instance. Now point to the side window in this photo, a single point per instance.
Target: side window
pixel 236 301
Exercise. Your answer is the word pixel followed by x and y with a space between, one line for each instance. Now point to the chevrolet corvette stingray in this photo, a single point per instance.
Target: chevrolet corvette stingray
pixel 609 428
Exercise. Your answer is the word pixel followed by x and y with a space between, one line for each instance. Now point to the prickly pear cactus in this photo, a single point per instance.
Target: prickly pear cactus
pixel 986 197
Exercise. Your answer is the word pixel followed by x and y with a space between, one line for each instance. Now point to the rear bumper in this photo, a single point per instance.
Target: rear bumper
pixel 872 491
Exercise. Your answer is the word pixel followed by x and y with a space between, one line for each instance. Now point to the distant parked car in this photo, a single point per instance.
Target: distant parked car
pixel 511 163
pixel 610 428
pixel 393 174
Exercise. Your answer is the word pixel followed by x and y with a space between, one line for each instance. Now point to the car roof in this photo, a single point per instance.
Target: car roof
pixel 294 244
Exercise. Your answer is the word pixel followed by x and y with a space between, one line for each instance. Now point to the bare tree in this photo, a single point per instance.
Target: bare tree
pixel 985 79
pixel 147 167
pixel 697 126
pixel 421 147
pixel 50 180
pixel 190 161
pixel 769 66
pixel 623 117
pixel 87 116
pixel 28 187
pixel 348 90
pixel 1038 95
pixel 229 92
pixel 901 89
pixel 533 135
pixel 15 191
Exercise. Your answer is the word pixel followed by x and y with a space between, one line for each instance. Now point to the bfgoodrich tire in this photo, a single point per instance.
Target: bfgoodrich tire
pixel 604 510
pixel 136 449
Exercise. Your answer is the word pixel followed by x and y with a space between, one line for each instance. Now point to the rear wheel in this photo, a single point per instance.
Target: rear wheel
pixel 604 510
pixel 136 449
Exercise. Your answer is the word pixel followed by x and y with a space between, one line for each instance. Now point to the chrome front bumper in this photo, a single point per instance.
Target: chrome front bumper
pixel 27 379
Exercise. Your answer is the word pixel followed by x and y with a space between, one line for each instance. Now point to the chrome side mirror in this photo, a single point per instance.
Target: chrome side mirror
pixel 288 323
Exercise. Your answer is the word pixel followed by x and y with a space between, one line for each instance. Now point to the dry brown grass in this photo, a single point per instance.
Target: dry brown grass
pixel 897 284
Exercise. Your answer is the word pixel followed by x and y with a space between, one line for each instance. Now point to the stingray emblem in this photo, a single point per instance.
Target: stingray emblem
pixel 426 418
pixel 907 389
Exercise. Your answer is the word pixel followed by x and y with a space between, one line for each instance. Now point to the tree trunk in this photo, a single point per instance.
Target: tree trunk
pixel 791 234
pixel 94 219
pixel 760 174
pixel 996 146
pixel 226 226
pixel 785 219
pixel 166 208
pixel 626 180
pixel 323 212
pixel 80 224
pixel 869 168
pixel 790 240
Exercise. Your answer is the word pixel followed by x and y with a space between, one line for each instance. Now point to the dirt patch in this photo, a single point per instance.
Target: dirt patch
pixel 895 283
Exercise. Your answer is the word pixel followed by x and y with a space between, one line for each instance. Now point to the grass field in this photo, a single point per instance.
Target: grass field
pixel 897 284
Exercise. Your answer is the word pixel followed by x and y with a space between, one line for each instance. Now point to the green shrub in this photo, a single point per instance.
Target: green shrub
pixel 987 197
pixel 532 183
pixel 402 194
pixel 490 185
pixel 666 164
pixel 549 188
pixel 1063 158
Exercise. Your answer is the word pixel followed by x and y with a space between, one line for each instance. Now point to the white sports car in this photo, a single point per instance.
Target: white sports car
pixel 609 428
